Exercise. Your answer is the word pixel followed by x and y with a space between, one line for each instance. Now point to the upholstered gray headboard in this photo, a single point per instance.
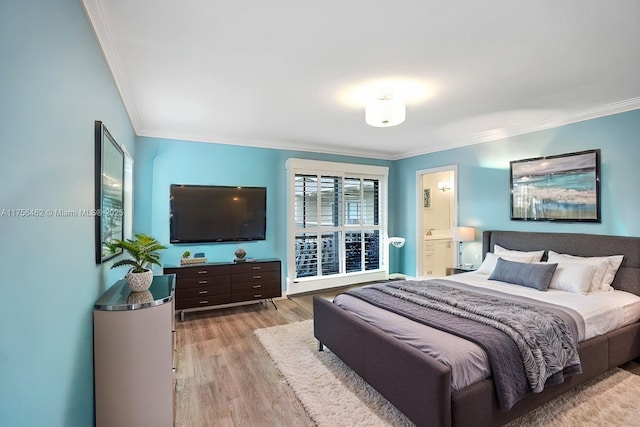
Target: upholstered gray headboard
pixel 628 276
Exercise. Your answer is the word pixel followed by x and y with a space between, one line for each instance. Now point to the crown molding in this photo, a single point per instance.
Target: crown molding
pixel 102 30
pixel 502 133
pixel 479 138
pixel 263 143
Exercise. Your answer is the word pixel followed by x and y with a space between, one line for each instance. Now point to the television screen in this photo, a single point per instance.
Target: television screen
pixel 206 213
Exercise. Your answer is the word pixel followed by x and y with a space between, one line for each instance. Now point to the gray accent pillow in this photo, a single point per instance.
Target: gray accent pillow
pixel 537 276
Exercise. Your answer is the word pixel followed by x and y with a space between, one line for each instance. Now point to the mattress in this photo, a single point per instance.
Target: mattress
pixel 602 312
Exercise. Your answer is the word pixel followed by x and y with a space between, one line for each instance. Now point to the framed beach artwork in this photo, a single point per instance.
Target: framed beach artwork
pixel 564 187
pixel 109 192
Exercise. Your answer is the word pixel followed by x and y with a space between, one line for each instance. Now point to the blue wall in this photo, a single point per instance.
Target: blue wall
pixel 54 83
pixel 161 162
pixel 483 179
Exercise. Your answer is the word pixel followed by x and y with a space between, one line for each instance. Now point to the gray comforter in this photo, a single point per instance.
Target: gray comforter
pixel 528 344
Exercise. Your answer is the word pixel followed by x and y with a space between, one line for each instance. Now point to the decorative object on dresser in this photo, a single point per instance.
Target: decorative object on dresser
pixel 240 255
pixel 190 261
pixel 197 259
pixel 219 284
pixel 143 251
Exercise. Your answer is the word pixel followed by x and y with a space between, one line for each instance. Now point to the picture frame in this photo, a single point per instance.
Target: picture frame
pixel 109 192
pixel 427 198
pixel 563 188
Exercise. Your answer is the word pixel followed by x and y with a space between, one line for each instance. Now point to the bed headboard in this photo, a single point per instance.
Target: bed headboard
pixel 628 275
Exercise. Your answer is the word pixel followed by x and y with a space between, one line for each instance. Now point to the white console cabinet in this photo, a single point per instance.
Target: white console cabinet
pixel 134 346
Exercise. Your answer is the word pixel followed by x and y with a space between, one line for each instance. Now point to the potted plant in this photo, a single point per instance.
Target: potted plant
pixel 143 250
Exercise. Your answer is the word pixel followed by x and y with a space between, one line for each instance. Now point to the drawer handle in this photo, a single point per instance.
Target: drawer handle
pixel 203 292
pixel 203 272
pixel 257 277
pixel 257 296
pixel 204 302
pixel 257 268
pixel 257 286
pixel 203 282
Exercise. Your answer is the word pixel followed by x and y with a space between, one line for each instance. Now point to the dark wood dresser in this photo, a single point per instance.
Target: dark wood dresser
pixel 209 285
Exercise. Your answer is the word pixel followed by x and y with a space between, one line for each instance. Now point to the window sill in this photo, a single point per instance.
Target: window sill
pixel 304 285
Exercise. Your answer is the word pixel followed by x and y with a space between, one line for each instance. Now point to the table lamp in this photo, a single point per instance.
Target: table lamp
pixel 462 234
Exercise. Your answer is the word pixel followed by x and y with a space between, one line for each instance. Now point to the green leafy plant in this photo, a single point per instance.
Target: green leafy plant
pixel 186 254
pixel 143 251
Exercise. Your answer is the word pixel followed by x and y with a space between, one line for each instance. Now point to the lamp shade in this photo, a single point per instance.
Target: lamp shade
pixel 463 234
pixel 385 113
pixel 398 242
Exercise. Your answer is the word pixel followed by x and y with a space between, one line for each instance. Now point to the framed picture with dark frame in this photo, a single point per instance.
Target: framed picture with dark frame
pixel 563 187
pixel 427 198
pixel 109 192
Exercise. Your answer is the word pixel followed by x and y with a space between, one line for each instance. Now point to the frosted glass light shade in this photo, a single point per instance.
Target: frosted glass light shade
pixel 385 113
pixel 398 242
pixel 463 234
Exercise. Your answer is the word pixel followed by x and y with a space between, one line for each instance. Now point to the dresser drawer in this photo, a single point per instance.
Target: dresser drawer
pixel 255 267
pixel 183 303
pixel 202 292
pixel 255 294
pixel 201 271
pixel 260 276
pixel 258 286
pixel 203 281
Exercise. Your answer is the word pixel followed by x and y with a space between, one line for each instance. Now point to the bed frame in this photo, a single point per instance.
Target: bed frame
pixel 420 386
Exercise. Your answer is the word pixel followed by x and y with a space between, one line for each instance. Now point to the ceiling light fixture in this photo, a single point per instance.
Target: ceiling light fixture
pixel 385 112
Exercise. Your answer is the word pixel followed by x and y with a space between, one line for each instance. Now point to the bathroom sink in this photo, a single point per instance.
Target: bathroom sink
pixel 437 237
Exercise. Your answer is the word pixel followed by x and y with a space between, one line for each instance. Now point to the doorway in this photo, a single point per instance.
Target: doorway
pixel 437 210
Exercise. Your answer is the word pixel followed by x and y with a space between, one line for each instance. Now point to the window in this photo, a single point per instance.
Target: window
pixel 337 217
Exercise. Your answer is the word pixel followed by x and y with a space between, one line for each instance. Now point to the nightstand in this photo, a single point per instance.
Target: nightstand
pixel 457 270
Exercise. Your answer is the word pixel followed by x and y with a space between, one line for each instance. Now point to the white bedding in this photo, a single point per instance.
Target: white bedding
pixel 602 312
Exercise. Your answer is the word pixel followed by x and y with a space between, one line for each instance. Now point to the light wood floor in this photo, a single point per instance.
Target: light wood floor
pixel 223 375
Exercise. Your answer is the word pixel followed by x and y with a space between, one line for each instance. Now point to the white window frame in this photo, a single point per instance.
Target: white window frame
pixel 345 170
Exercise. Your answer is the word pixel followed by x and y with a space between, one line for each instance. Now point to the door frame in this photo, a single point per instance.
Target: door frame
pixel 419 195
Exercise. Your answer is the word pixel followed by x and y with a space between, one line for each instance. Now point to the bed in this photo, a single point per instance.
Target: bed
pixel 420 386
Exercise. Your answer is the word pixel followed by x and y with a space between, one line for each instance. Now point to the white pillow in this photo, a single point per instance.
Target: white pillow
pixel 499 250
pixel 491 259
pixel 607 268
pixel 573 277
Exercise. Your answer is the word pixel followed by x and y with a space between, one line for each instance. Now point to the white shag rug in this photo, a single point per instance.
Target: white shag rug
pixel 334 395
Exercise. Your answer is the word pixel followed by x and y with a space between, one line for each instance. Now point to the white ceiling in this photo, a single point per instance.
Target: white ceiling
pixel 296 74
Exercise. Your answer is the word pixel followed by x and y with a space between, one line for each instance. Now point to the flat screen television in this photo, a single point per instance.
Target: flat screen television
pixel 213 213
